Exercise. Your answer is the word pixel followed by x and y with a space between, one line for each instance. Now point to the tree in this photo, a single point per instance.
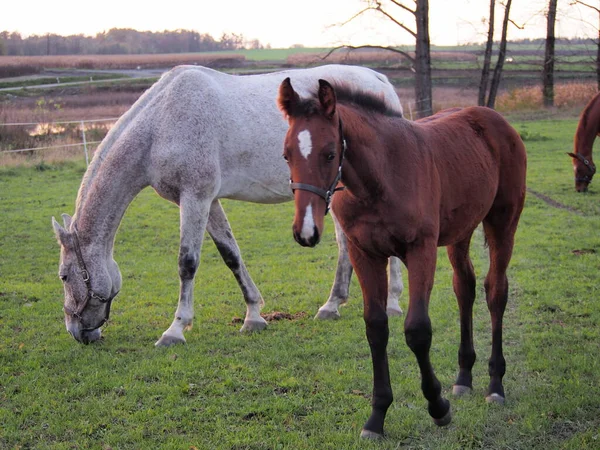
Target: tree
pixel 548 70
pixel 595 8
pixel 487 56
pixel 421 62
pixel 491 101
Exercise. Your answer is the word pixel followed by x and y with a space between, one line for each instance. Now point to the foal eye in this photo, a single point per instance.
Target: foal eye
pixel 286 158
pixel 330 156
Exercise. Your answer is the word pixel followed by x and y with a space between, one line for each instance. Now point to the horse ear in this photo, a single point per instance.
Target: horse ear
pixel 327 98
pixel 572 155
pixel 66 220
pixel 62 235
pixel 288 98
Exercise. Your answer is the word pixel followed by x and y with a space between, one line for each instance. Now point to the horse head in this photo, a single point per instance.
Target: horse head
pixel 584 169
pixel 91 280
pixel 313 149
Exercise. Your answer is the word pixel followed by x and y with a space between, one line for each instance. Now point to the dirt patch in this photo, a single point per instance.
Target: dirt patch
pixel 550 201
pixel 275 315
pixel 583 251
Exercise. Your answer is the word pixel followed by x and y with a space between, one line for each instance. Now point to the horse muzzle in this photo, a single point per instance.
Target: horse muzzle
pixel 307 240
pixel 83 336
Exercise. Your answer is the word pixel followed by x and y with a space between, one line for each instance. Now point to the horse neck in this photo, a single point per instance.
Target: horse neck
pixel 588 128
pixel 110 184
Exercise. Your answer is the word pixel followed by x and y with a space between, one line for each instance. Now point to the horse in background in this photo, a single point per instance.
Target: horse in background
pixel 196 136
pixel 409 187
pixel 587 130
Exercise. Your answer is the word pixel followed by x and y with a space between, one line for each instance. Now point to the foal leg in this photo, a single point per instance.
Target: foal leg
pixel 417 327
pixel 464 288
pixel 371 273
pixel 220 231
pixel 343 273
pixel 500 241
pixel 193 220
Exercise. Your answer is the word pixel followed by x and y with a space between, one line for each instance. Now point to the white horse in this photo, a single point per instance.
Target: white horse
pixel 197 135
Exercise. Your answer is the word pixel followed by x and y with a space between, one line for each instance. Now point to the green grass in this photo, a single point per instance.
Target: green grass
pixel 299 384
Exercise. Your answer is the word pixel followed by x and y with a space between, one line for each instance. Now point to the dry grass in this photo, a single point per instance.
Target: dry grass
pixel 369 56
pixel 22 65
pixel 567 95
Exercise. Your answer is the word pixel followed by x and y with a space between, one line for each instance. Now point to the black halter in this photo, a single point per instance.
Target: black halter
pixel 90 292
pixel 591 167
pixel 326 194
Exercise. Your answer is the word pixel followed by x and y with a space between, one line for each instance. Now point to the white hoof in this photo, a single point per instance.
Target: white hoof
pixel 253 325
pixel 167 340
pixel 324 314
pixel 394 311
pixel 495 398
pixel 459 391
pixel 371 435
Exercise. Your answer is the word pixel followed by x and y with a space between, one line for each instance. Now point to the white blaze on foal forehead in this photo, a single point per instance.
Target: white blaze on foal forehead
pixel 308 225
pixel 305 142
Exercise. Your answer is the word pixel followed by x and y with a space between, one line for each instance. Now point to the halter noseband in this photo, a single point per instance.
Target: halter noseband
pixel 90 292
pixel 591 167
pixel 326 194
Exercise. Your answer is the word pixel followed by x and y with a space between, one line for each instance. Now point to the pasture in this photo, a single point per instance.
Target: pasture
pixel 300 384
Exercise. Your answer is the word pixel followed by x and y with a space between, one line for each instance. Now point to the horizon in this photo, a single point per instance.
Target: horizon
pixel 316 24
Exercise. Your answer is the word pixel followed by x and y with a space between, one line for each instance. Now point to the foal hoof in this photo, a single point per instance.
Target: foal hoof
pixel 371 435
pixel 167 341
pixel 253 325
pixel 459 390
pixel 324 314
pixel 495 398
pixel 444 420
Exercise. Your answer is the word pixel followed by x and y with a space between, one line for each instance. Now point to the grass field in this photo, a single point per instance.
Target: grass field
pixel 300 384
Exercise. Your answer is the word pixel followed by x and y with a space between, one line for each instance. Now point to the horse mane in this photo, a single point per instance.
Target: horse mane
pixel 586 130
pixel 349 95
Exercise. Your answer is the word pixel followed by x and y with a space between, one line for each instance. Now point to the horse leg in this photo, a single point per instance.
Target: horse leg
pixel 395 287
pixel 193 221
pixel 371 273
pixel 220 231
pixel 500 239
pixel 421 263
pixel 463 282
pixel 343 273
pixel 341 283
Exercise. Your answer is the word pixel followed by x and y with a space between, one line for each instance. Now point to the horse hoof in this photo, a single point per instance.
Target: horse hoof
pixel 167 341
pixel 459 391
pixel 444 420
pixel 253 325
pixel 394 312
pixel 371 435
pixel 495 398
pixel 327 315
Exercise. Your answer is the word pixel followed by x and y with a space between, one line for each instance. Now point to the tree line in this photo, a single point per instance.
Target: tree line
pixel 121 41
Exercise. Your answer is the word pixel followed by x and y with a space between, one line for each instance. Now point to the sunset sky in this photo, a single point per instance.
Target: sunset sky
pixel 282 23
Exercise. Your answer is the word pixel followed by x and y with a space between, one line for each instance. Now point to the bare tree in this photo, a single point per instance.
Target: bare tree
pixel 487 56
pixel 421 62
pixel 501 57
pixel 548 70
pixel 595 8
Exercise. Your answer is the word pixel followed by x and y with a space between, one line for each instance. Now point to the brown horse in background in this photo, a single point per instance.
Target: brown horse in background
pixel 409 187
pixel 587 130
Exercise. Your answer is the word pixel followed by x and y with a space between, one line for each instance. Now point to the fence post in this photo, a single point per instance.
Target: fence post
pixel 84 143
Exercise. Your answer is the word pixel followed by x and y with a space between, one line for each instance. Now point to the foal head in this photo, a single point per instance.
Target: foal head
pixel 584 169
pixel 313 149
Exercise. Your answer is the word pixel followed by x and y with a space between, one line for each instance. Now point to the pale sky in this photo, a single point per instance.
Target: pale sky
pixel 282 23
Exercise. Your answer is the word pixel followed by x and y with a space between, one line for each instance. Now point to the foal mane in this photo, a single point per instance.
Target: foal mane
pixel 347 94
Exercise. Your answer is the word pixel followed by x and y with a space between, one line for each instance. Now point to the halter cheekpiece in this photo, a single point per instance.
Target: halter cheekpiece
pixel 326 194
pixel 591 167
pixel 90 292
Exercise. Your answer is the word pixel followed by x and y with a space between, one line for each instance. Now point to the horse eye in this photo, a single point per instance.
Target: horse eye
pixel 286 158
pixel 331 156
pixel 63 278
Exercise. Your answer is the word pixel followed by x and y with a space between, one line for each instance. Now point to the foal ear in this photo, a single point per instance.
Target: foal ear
pixel 572 155
pixel 288 98
pixel 327 98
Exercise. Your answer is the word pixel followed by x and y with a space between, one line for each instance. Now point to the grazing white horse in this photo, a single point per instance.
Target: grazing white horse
pixel 195 136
